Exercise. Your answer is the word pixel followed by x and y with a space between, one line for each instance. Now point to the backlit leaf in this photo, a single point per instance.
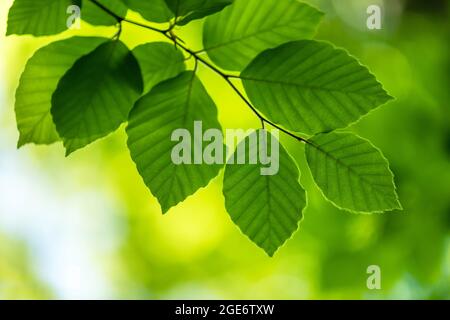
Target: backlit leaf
pixel 205 8
pixel 173 104
pixel 352 173
pixel 159 61
pixel 267 208
pixel 39 17
pixel 96 16
pixel 95 96
pixel 152 10
pixel 189 10
pixel 233 37
pixel 311 87
pixel 38 82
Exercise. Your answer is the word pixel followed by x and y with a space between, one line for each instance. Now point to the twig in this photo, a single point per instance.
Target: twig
pixel 168 33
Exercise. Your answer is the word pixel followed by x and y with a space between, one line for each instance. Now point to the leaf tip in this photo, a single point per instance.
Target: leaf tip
pixel 398 206
pixel 8 30
pixel 269 250
pixel 21 142
pixel 69 152
pixel 270 253
pixel 389 97
pixel 164 208
pixel 319 12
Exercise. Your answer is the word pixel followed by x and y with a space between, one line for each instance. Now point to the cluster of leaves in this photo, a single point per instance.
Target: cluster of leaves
pixel 81 89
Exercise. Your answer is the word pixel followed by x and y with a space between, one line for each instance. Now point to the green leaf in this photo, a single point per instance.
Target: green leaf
pixel 173 104
pixel 182 8
pixel 38 82
pixel 233 37
pixel 95 96
pixel 310 87
pixel 204 9
pixel 267 208
pixel 94 15
pixel 159 61
pixel 352 173
pixel 39 18
pixel 152 10
pixel 75 144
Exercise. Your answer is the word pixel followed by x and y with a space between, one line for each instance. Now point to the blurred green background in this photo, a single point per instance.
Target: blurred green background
pixel 86 226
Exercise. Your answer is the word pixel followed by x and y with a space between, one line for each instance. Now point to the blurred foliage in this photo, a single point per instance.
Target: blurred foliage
pixel 17 280
pixel 195 251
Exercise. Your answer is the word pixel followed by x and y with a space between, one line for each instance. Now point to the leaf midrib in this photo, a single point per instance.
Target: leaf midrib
pixel 90 105
pixel 186 108
pixel 254 34
pixel 311 87
pixel 349 168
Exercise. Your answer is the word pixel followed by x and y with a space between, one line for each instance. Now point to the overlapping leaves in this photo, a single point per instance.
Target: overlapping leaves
pixel 95 96
pixel 188 10
pixel 159 61
pixel 240 32
pixel 80 89
pixel 154 10
pixel 93 13
pixel 173 104
pixel 38 82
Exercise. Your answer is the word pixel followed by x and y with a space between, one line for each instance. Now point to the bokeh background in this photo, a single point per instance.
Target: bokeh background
pixel 86 226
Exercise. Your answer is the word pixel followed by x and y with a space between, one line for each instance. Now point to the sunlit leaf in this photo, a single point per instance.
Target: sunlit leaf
pixel 96 16
pixel 173 104
pixel 72 145
pixel 310 86
pixel 152 10
pixel 95 96
pixel 159 61
pixel 267 208
pixel 38 17
pixel 233 37
pixel 352 173
pixel 203 9
pixel 38 82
